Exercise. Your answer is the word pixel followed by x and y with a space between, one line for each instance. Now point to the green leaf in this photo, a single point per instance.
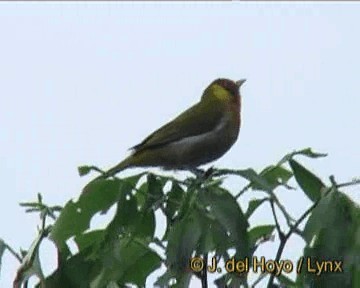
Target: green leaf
pixel 206 241
pixel 126 218
pixel 65 226
pixel 305 152
pixel 309 183
pixel 225 209
pixel 145 226
pixel 130 183
pixel 130 221
pixel 75 272
pixel 183 237
pixel 75 216
pixel 253 205
pixel 154 193
pixel 86 240
pixel 332 233
pixel 128 261
pixel 163 280
pixel 256 180
pixel 274 176
pixel 231 280
pixel 309 153
pixel 174 200
pixel 188 202
pixel 260 232
pixel 141 194
pixel 286 281
pixel 146 262
pixel 319 218
pixel 84 170
pixel 213 236
pixel 356 275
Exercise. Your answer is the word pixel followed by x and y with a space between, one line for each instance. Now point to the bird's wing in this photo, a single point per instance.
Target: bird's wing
pixel 199 119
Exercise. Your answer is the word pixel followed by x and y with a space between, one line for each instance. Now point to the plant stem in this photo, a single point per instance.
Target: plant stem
pixel 285 238
pixel 204 282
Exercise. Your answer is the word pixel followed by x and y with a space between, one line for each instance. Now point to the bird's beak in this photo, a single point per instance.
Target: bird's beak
pixel 240 82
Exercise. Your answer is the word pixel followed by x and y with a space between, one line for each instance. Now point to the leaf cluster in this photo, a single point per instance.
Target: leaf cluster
pixel 202 219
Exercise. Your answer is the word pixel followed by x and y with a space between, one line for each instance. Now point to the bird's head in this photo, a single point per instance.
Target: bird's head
pixel 224 90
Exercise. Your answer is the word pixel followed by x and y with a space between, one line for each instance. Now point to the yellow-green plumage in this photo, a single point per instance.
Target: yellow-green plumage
pixel 199 135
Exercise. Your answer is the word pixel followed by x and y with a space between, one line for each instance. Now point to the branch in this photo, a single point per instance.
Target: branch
pixel 258 280
pixel 281 234
pixel 353 182
pixel 204 283
pixel 294 228
pixel 12 251
pixel 243 190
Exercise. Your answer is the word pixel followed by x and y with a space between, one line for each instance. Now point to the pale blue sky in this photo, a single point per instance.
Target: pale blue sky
pixel 80 83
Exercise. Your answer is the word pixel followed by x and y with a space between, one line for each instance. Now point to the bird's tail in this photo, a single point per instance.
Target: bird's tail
pixel 116 169
pixel 109 173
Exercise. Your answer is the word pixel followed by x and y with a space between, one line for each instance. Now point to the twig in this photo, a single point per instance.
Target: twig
pixel 294 227
pixel 354 182
pixel 243 190
pixel 281 234
pixel 204 282
pixel 12 251
pixel 94 168
pixel 288 217
pixel 259 279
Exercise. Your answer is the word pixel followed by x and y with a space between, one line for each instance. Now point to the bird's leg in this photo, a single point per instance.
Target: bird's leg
pixel 198 172
pixel 209 172
pixel 202 174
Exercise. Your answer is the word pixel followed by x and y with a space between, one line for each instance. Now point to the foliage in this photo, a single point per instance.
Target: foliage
pixel 202 219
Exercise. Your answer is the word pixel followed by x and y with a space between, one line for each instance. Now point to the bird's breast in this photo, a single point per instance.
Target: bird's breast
pixel 200 149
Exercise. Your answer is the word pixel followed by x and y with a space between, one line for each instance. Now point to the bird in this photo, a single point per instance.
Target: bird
pixel 199 135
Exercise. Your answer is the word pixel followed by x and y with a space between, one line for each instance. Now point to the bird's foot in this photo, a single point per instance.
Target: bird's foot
pixel 202 174
pixel 197 172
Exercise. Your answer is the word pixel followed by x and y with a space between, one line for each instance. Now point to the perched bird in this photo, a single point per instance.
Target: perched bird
pixel 199 135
